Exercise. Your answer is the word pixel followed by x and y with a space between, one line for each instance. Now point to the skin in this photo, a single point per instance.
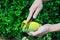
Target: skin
pixel 34 10
pixel 45 29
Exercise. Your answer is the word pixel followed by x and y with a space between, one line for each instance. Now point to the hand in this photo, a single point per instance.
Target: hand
pixel 41 31
pixel 35 9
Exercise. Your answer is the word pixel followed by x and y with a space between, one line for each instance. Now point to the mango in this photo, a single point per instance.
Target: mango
pixel 31 26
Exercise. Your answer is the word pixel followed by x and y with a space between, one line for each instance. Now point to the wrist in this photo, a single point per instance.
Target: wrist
pixel 55 27
pixel 49 27
pixel 46 0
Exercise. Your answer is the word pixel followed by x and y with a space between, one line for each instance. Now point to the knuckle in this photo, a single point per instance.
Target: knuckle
pixel 31 10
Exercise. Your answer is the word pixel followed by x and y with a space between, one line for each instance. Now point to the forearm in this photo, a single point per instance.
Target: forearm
pixel 46 0
pixel 55 27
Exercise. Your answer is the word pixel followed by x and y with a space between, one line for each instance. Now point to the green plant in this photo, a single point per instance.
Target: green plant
pixel 13 12
pixel 10 16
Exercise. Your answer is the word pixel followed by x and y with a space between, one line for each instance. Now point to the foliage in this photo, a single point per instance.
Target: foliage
pixel 13 12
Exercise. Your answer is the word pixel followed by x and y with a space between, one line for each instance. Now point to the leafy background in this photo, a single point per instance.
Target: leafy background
pixel 13 12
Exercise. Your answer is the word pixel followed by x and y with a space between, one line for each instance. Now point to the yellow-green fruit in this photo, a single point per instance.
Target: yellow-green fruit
pixel 31 26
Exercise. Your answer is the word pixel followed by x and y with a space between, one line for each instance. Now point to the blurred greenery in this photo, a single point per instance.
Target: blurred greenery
pixel 13 12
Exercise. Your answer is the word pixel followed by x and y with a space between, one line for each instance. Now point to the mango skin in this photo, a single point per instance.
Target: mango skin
pixel 32 26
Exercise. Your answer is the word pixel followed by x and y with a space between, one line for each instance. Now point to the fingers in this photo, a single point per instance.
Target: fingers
pixel 32 9
pixel 29 16
pixel 33 33
pixel 41 31
pixel 35 9
pixel 33 5
pixel 37 12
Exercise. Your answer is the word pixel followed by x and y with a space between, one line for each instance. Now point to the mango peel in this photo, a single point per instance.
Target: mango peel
pixel 31 26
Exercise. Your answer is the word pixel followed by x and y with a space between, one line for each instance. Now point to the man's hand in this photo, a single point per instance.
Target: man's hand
pixel 35 9
pixel 41 31
pixel 45 29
